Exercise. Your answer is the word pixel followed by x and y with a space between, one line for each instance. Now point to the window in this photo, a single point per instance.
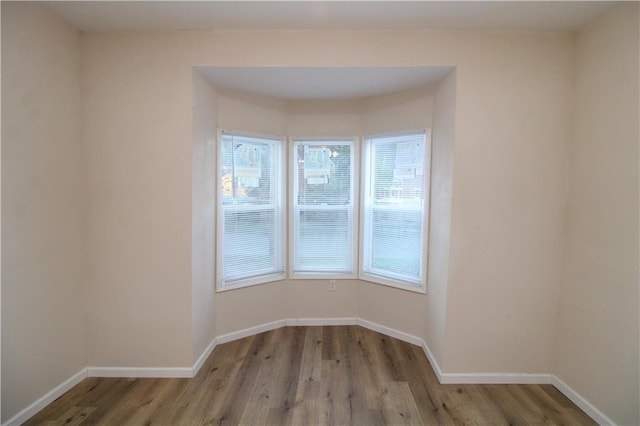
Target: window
pixel 323 208
pixel 250 243
pixel 326 190
pixel 395 213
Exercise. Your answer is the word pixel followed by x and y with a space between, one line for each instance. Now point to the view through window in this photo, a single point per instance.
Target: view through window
pixel 396 171
pixel 323 204
pixel 250 235
pixel 324 199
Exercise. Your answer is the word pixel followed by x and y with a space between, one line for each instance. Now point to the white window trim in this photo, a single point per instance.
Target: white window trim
pixel 355 179
pixel 221 286
pixel 287 208
pixel 372 277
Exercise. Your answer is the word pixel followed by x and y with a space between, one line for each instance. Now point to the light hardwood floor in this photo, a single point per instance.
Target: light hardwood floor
pixel 343 375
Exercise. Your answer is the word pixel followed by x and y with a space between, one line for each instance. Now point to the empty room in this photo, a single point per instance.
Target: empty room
pixel 320 212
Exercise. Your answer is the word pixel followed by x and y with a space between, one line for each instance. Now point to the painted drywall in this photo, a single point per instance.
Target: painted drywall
pixel 138 143
pixel 512 104
pixel 205 122
pixel 324 118
pixel 250 306
pixel 513 109
pixel 597 341
pixel 43 326
pixel 251 113
pixel 443 138
pixel 399 112
pixel 312 299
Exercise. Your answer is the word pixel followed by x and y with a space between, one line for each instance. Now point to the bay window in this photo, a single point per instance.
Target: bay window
pixel 395 210
pixel 326 191
pixel 250 242
pixel 322 221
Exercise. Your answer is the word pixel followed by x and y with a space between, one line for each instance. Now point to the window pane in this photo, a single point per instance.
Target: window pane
pixel 396 241
pixel 251 242
pixel 324 174
pixel 398 174
pixel 323 213
pixel 324 241
pixel 247 171
pixel 394 228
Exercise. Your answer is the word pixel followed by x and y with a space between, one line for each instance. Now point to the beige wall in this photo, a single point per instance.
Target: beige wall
pixel 205 121
pixel 312 299
pixel 247 112
pixel 137 136
pixel 397 112
pixel 325 118
pixel 597 340
pixel 513 106
pixel 444 120
pixel 43 326
pixel 250 306
pixel 512 101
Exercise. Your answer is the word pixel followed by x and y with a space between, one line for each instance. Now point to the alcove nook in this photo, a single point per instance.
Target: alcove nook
pixel 321 103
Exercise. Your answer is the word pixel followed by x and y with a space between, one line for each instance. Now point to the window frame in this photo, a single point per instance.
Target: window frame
pixel 285 209
pixel 279 207
pixel 354 207
pixel 365 203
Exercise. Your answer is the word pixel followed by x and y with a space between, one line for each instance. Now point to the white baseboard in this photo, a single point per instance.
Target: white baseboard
pixel 432 360
pixel 47 399
pixel 203 357
pixel 320 321
pixel 581 402
pixel 405 337
pixel 495 378
pixel 235 335
pixel 140 372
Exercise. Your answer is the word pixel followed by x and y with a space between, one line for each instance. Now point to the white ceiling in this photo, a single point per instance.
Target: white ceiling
pixel 323 83
pixel 96 16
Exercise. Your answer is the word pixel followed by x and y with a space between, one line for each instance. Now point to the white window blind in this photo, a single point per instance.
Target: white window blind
pixel 323 219
pixel 395 209
pixel 251 220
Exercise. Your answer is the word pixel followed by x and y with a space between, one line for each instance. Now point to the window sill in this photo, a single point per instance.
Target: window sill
pixel 322 276
pixel 393 283
pixel 250 282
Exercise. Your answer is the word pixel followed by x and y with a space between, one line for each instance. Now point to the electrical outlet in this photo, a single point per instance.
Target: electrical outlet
pixel 332 285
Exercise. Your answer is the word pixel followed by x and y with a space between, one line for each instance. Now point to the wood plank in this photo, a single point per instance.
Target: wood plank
pixel 399 406
pixel 109 403
pixel 309 376
pixel 423 385
pixel 241 387
pixel 356 378
pixel 284 401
